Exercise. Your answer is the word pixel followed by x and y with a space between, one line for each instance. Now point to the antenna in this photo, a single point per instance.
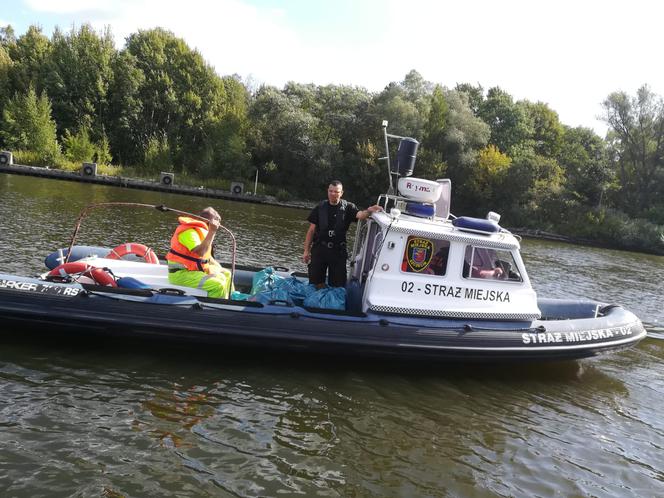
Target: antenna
pixel 387 158
pixel 406 154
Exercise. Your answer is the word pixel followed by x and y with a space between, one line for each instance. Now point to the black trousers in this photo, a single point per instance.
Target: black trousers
pixel 324 261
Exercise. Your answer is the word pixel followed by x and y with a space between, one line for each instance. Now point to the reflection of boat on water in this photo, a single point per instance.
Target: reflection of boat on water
pixel 423 284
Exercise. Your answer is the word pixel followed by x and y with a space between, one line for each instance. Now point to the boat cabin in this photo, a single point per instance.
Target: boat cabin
pixel 417 259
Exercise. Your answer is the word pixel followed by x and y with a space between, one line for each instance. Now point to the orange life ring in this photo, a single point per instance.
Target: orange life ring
pixel 98 275
pixel 133 248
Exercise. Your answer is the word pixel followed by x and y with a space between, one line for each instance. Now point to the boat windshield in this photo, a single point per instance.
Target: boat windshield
pixel 496 264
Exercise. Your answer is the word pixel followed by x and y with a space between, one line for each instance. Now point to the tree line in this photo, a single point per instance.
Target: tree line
pixel 156 105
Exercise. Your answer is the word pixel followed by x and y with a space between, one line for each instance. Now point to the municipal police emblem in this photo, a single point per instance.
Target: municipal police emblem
pixel 419 252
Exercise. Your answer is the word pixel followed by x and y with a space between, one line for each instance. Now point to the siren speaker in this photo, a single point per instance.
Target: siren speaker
pixel 89 169
pixel 6 158
pixel 237 188
pixel 166 178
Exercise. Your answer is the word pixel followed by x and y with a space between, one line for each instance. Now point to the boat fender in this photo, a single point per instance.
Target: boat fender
pixel 476 224
pixel 420 209
pixel 100 276
pixel 138 250
pixel 58 257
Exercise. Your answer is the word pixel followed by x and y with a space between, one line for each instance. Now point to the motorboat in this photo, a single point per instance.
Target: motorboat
pixel 423 284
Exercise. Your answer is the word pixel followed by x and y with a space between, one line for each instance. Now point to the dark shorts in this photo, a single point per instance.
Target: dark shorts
pixel 324 261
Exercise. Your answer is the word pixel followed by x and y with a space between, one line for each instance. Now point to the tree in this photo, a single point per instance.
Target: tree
pixel 78 77
pixel 488 177
pixel 125 110
pixel 417 90
pixel 531 188
pixel 226 135
pixel 437 120
pixel 474 94
pixel 636 136
pixel 77 146
pixel 5 68
pixel 403 115
pixel 509 121
pixel 588 172
pixel 27 125
pixel 7 36
pixel 465 135
pixel 405 105
pixel 284 134
pixel 547 131
pixel 30 55
pixel 180 94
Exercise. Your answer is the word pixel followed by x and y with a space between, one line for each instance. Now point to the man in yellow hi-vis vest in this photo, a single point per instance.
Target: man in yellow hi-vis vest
pixel 190 261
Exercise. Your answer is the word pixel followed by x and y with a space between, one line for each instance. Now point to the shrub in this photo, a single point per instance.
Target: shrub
pixel 158 155
pixel 282 195
pixel 78 147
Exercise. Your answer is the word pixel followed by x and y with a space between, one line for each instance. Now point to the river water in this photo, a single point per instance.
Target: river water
pixel 104 419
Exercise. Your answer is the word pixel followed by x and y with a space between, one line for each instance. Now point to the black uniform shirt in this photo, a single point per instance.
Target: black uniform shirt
pixel 332 212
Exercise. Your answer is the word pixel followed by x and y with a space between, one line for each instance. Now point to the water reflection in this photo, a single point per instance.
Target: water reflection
pixel 314 427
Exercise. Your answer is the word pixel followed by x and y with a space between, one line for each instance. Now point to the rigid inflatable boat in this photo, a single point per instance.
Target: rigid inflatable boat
pixel 423 284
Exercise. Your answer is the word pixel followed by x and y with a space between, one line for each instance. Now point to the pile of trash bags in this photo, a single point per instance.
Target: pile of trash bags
pixel 268 287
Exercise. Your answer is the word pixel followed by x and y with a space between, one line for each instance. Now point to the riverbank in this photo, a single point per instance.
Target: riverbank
pixel 165 184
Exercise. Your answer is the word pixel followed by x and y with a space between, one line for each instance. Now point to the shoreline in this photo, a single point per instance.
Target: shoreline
pixel 126 182
pixel 120 181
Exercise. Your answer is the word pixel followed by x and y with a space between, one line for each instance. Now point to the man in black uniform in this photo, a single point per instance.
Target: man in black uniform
pixel 325 243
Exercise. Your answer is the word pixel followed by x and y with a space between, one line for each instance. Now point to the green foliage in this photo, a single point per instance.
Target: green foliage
pixel 285 134
pixel 78 73
pixel 27 125
pixel 180 95
pixel 488 176
pixel 5 68
pixel 465 135
pixel 125 110
pixel 437 120
pixel 283 195
pixel 583 156
pixel 613 228
pixel 7 36
pixel 547 130
pixel 103 151
pixel 532 187
pixel 30 54
pixel 510 122
pixel 157 155
pixel 636 138
pixel 474 95
pixel 78 147
pixel 158 106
